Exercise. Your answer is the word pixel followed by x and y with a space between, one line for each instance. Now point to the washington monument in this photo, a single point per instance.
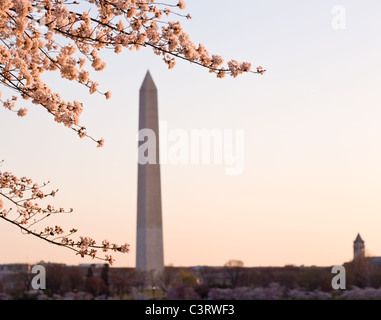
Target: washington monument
pixel 149 235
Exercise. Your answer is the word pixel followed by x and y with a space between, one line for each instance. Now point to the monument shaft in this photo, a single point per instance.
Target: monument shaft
pixel 149 240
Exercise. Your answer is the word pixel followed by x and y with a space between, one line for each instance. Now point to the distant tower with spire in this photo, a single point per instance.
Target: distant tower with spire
pixel 358 248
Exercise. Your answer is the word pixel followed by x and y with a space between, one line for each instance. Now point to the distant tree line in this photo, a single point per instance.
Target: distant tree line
pixel 187 283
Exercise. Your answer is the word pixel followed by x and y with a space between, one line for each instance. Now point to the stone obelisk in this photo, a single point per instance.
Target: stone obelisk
pixel 149 236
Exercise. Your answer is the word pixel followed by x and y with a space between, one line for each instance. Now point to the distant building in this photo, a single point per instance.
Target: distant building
pixel 14 268
pixel 358 248
pixel 359 253
pixel 91 265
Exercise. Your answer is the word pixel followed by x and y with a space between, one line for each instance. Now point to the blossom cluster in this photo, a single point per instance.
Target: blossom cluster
pixel 273 292
pixel 367 293
pixel 55 35
pixel 20 205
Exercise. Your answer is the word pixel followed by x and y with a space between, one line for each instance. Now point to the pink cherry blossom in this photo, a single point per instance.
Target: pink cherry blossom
pixel 59 36
pixel 21 197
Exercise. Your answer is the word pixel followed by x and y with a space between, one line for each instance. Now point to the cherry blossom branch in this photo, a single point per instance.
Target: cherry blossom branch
pixel 28 208
pixel 27 49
